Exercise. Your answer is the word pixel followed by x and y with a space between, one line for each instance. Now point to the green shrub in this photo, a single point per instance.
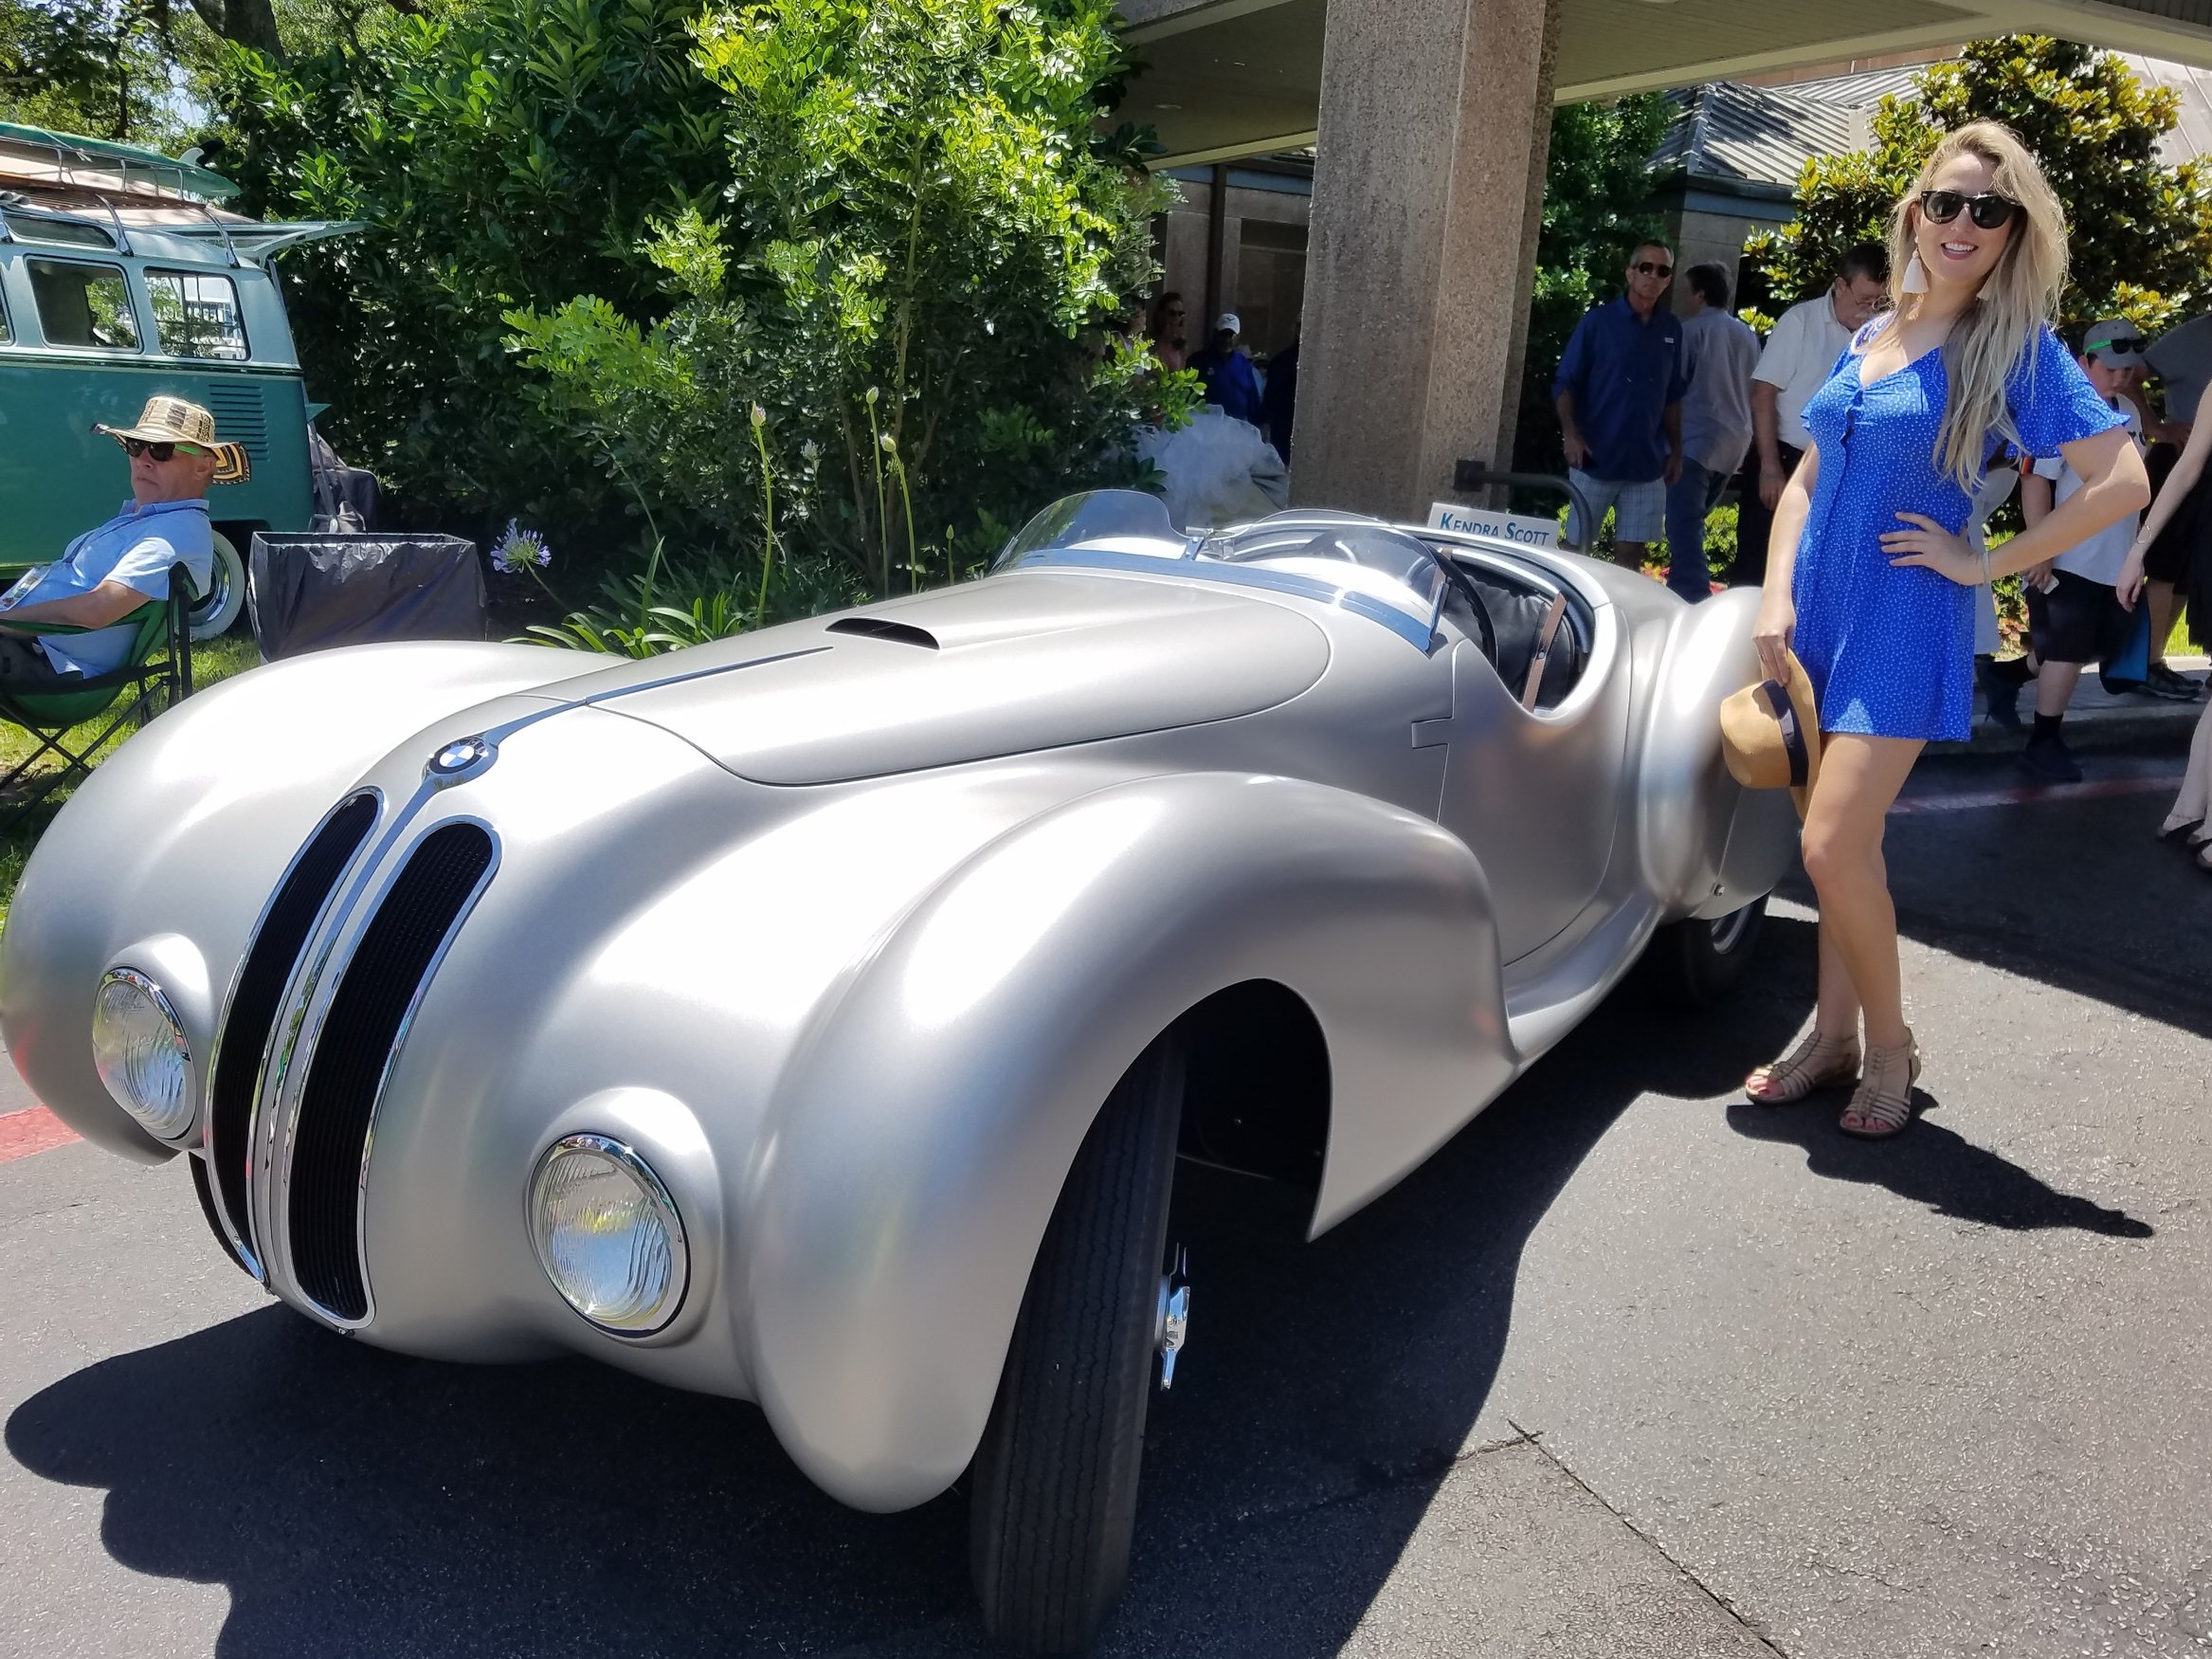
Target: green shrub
pixel 605 232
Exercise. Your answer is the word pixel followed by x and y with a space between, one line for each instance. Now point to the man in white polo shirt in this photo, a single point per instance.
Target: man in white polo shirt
pixel 1800 356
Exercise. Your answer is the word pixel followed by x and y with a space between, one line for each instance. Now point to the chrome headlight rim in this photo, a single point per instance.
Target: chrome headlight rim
pixel 150 987
pixel 655 1321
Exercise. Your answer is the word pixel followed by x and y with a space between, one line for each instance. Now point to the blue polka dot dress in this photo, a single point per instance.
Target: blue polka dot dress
pixel 1890 648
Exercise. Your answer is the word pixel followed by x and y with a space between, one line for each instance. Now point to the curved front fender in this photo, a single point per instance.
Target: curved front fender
pixel 184 832
pixel 919 1139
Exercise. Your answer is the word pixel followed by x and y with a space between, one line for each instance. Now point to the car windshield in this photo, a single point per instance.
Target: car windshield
pixel 1119 520
pixel 1358 564
pixel 1355 555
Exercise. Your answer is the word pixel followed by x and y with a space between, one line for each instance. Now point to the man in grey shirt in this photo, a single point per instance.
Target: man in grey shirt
pixel 1800 356
pixel 1719 352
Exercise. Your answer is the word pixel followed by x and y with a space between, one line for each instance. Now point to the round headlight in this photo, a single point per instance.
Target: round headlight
pixel 140 1051
pixel 608 1234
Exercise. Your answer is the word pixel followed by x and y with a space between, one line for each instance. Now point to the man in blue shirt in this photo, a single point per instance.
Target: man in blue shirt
pixel 1227 370
pixel 109 572
pixel 1619 393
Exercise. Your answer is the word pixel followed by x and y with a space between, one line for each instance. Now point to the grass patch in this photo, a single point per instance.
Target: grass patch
pixel 217 659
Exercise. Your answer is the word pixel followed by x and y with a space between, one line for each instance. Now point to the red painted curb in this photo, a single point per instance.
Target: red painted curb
pixel 37 1130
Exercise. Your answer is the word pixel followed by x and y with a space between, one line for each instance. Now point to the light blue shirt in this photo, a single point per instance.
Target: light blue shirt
pixel 136 548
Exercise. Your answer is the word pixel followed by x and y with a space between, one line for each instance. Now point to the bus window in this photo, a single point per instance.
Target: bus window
pixel 37 227
pixel 83 305
pixel 196 316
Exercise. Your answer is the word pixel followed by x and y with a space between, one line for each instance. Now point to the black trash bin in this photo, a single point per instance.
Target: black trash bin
pixel 311 591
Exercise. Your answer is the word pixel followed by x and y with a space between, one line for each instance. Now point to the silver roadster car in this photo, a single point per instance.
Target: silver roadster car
pixel 816 1017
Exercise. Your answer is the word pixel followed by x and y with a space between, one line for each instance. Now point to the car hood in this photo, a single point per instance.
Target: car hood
pixel 1006 666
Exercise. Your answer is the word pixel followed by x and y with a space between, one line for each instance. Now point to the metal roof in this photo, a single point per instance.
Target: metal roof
pixel 1730 133
pixel 1755 139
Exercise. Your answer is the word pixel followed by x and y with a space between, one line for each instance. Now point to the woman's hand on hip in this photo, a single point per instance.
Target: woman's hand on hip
pixel 1929 543
pixel 1772 633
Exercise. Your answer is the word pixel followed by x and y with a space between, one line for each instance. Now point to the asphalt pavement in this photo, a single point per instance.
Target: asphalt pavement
pixel 1629 1368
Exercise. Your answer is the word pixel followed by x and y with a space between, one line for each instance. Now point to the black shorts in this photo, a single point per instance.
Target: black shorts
pixel 2078 621
pixel 25 667
pixel 2167 558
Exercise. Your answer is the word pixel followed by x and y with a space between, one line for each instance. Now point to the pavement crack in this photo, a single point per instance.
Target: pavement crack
pixel 1704 1589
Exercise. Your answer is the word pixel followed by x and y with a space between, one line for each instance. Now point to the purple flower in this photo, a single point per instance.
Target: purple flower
pixel 519 549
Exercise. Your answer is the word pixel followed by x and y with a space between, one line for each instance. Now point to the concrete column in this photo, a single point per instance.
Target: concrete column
pixel 1429 191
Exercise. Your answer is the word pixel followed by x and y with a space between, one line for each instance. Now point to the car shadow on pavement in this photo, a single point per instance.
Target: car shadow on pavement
pixel 1929 1164
pixel 353 1500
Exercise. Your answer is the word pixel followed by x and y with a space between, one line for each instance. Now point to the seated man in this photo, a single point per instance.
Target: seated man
pixel 109 572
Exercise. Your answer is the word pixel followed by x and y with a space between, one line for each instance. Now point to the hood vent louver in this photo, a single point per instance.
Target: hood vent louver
pixel 882 627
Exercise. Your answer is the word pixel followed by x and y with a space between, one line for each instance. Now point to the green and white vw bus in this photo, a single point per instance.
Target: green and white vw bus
pixel 122 279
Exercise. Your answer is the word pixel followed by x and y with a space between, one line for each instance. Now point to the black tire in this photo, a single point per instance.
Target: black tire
pixel 1696 964
pixel 1054 1502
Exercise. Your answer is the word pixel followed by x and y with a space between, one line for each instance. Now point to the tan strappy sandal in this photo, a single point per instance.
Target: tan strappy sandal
pixel 1882 1104
pixel 1815 1064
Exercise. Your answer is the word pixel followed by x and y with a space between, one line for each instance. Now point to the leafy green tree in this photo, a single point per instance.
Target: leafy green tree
pixel 97 68
pixel 509 155
pixel 1597 207
pixel 912 285
pixel 2142 242
pixel 603 232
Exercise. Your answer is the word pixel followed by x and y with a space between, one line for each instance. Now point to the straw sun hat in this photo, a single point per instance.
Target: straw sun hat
pixel 1770 735
pixel 172 420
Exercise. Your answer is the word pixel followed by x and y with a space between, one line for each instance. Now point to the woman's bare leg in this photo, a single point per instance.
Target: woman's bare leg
pixel 1836 1012
pixel 1860 778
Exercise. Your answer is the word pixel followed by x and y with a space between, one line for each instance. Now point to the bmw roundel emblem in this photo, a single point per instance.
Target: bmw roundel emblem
pixel 459 760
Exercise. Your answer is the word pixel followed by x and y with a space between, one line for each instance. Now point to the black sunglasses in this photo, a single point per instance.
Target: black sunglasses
pixel 2122 343
pixel 1987 211
pixel 1650 269
pixel 160 452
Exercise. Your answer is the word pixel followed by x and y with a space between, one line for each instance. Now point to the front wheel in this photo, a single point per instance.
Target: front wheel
pixel 218 607
pixel 1696 963
pixel 1054 1502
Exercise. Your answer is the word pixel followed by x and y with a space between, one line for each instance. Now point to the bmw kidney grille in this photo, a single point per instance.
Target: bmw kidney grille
pixel 254 1004
pixel 368 1014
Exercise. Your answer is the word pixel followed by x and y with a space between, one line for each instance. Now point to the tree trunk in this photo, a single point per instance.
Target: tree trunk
pixel 252 23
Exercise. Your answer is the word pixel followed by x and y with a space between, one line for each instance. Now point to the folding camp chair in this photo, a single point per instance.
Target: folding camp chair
pixel 157 674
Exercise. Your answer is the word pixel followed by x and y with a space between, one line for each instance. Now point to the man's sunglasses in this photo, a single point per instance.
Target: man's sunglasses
pixel 1987 211
pixel 160 452
pixel 1644 268
pixel 2121 343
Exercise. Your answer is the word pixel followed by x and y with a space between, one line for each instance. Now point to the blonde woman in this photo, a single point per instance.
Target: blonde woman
pixel 2192 808
pixel 1868 577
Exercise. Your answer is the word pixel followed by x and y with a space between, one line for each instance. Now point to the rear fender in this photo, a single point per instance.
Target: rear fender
pixel 1708 845
pixel 922 1134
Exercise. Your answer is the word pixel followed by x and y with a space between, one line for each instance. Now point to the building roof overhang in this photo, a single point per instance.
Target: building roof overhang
pixel 1225 79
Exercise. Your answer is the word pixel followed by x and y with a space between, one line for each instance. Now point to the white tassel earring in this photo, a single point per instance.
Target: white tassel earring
pixel 1915 277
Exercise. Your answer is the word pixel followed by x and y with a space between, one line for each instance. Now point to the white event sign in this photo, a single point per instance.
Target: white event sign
pixel 1516 527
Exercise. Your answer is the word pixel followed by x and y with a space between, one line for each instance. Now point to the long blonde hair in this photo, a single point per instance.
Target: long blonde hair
pixel 2018 298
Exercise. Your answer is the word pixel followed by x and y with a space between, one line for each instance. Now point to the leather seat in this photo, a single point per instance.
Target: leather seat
pixel 1517 616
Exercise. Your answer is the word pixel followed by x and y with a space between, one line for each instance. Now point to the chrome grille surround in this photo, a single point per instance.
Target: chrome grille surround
pixel 295 907
pixel 303 1009
pixel 373 1001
